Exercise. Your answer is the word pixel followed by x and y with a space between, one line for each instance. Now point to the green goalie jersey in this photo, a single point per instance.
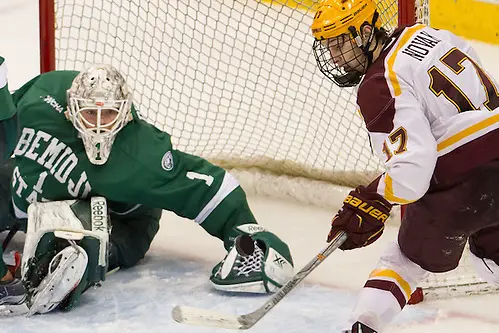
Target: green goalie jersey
pixel 143 168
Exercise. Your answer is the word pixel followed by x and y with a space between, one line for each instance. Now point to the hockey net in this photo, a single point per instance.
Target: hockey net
pixel 235 81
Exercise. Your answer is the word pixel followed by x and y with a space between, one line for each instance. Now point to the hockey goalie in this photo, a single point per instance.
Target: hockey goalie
pixel 76 135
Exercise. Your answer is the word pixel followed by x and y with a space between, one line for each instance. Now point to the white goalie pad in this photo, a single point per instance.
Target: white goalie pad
pixel 54 231
pixel 59 218
pixel 66 270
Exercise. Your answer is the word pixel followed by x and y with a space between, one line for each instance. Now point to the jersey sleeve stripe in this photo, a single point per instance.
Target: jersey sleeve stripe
pixel 229 184
pixel 467 132
pixel 389 192
pixel 392 76
pixel 18 212
pixel 3 74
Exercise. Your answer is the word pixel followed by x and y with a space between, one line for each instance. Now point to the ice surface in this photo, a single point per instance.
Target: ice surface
pixel 141 299
pixel 177 268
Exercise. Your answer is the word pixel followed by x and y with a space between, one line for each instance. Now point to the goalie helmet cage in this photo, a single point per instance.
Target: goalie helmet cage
pixel 235 81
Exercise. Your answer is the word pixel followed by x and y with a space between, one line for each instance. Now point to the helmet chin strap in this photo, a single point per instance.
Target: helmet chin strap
pixel 358 40
pixel 349 79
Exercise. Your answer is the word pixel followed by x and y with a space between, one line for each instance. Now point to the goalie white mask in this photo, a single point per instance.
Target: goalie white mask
pixel 99 106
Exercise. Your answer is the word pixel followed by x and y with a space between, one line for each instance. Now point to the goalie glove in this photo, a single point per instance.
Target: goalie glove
pixel 65 251
pixel 257 262
pixel 362 216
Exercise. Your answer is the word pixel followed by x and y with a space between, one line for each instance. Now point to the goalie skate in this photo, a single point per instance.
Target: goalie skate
pixel 12 298
pixel 66 270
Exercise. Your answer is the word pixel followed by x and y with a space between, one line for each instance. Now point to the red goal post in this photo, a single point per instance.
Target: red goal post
pixel 407 12
pixel 47 35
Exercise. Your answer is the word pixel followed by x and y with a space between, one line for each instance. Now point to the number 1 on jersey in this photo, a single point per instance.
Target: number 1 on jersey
pixel 97 146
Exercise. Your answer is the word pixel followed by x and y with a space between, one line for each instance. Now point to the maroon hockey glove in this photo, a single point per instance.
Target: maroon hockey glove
pixel 362 216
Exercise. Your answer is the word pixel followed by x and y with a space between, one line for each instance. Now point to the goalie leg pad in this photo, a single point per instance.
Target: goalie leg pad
pixel 263 271
pixel 65 251
pixel 65 272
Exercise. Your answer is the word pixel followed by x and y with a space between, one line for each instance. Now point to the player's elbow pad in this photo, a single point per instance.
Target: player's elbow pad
pixel 417 186
pixel 416 191
pixel 411 181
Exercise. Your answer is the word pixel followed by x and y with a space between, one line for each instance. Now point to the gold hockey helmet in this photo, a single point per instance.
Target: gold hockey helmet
pixel 341 54
pixel 336 17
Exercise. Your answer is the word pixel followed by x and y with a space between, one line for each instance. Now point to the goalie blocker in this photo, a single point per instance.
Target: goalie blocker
pixel 65 252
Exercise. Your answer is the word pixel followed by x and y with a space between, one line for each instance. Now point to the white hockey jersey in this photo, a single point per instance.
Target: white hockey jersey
pixel 431 111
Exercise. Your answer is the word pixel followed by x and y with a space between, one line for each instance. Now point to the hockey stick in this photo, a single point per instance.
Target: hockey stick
pixel 202 317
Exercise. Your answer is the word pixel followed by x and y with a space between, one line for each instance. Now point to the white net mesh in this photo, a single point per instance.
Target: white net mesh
pixel 236 83
pixel 423 11
pixel 459 282
pixel 233 81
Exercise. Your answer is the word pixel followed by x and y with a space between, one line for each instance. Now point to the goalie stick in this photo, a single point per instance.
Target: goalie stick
pixel 203 317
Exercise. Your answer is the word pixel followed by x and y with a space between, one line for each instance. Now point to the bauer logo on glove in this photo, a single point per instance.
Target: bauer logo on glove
pixel 365 207
pixel 362 216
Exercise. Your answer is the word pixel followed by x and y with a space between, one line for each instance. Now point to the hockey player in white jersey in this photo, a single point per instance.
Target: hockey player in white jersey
pixel 431 113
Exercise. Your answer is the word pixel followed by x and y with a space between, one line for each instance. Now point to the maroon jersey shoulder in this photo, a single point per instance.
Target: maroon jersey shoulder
pixel 376 102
